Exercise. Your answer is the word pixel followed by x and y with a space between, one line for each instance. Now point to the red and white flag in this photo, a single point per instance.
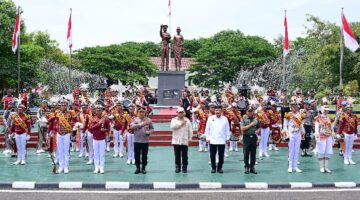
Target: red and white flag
pixel 16 34
pixel 69 32
pixel 286 39
pixel 349 37
pixel 169 6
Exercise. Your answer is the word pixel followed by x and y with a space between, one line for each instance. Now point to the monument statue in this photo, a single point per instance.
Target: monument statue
pixel 166 37
pixel 177 48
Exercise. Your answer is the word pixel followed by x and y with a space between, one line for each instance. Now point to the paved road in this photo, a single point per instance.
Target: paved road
pixel 182 195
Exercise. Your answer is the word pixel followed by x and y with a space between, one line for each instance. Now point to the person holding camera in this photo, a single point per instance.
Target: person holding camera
pixel 141 127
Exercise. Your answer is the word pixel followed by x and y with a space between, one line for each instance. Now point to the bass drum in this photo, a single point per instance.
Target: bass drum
pixel 275 136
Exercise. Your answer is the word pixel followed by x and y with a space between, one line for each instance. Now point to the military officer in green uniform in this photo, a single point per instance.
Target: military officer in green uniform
pixel 249 126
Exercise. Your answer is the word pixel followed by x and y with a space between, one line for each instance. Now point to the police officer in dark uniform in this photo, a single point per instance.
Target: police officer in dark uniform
pixel 249 126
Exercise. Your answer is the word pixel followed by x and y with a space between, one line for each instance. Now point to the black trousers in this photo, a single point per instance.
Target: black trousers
pixel 220 149
pixel 141 150
pixel 305 144
pixel 249 149
pixel 282 112
pixel 181 155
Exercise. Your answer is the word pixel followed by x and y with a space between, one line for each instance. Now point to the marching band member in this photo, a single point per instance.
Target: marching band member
pixel 83 122
pixel 9 111
pixel 284 100
pixel 293 127
pixel 274 128
pixel 63 123
pixel 201 115
pixel 264 119
pixel 130 136
pixel 99 126
pixel 324 134
pixel 119 126
pixel 42 116
pixel 235 119
pixel 89 135
pixel 75 137
pixel 21 127
pixel 141 127
pixel 348 127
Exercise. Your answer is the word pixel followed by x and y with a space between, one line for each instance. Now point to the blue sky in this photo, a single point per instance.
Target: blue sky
pixel 103 22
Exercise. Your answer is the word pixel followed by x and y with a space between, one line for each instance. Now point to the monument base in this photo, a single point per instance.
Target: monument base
pixel 170 84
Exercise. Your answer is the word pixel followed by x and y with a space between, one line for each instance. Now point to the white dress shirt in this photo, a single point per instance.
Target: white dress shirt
pixel 217 129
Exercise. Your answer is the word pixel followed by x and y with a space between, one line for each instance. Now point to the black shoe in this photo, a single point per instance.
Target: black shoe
pixel 137 171
pixel 143 171
pixel 177 170
pixel 184 169
pixel 252 170
pixel 247 170
pixel 220 171
pixel 213 171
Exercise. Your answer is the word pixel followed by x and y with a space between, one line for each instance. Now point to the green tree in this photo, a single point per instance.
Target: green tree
pixel 125 62
pixel 34 47
pixel 226 53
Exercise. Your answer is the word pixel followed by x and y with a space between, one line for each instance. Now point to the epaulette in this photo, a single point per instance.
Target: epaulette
pixel 287 115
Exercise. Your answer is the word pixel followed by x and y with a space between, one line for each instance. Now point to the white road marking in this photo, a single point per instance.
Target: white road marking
pixel 178 191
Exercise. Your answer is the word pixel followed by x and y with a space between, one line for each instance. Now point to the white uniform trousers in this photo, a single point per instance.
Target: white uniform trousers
pixel 91 146
pixel 324 147
pixel 20 140
pixel 118 142
pixel 294 149
pixel 63 146
pixel 99 153
pixel 82 147
pixel 349 142
pixel 264 139
pixel 130 146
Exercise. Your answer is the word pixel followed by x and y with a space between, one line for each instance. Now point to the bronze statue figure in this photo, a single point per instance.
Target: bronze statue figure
pixel 166 37
pixel 177 48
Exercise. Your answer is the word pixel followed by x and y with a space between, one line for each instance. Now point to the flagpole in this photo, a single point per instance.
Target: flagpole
pixel 70 47
pixel 341 50
pixel 19 79
pixel 170 34
pixel 284 65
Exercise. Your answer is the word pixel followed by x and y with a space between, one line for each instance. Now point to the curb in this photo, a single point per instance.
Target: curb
pixel 112 185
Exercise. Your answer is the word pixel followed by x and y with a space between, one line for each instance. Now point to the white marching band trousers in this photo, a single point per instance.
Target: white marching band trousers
pixel 63 146
pixel 294 149
pixel 99 153
pixel 20 140
pixel 91 147
pixel 264 138
pixel 349 142
pixel 118 142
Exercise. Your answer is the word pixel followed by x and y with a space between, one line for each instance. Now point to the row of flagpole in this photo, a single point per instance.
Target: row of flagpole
pixel 16 43
pixel 346 35
pixel 347 38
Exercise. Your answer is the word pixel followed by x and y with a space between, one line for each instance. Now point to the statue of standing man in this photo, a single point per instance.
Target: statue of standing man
pixel 166 37
pixel 178 46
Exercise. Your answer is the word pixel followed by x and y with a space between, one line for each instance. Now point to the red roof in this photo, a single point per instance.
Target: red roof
pixel 185 62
